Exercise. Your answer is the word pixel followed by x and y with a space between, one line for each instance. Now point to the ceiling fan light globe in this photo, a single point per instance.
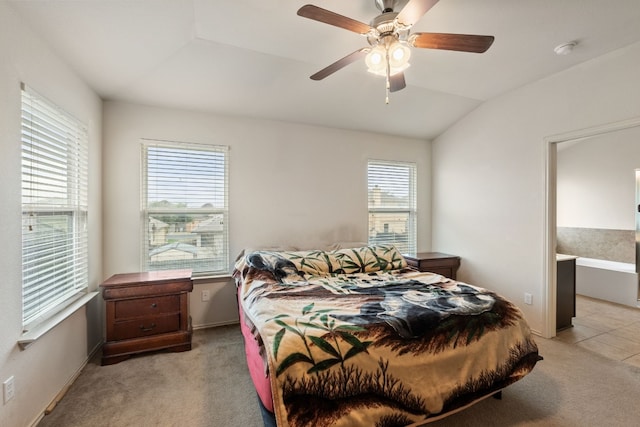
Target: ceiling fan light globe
pixel 399 55
pixel 375 60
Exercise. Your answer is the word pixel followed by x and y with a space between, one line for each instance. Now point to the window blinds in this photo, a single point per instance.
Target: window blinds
pixel 184 204
pixel 54 206
pixel 392 204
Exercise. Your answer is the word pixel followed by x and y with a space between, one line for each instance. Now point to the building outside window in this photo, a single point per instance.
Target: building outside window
pixel 184 207
pixel 392 204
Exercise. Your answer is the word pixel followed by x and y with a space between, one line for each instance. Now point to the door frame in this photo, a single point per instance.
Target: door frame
pixel 549 251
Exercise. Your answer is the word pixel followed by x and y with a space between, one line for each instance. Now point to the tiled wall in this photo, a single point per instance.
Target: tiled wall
pixel 612 245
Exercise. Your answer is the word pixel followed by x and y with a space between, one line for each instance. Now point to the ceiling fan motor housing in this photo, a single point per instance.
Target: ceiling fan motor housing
pixel 386 27
pixel 384 23
pixel 386 5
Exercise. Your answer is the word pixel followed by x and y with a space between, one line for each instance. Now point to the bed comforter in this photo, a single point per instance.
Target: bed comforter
pixel 354 338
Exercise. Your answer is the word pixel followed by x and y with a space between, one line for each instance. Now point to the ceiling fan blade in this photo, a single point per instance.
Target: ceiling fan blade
pixel 341 63
pixel 459 42
pixel 414 10
pixel 396 82
pixel 323 15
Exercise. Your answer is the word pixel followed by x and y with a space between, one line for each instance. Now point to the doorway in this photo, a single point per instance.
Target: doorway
pixel 551 149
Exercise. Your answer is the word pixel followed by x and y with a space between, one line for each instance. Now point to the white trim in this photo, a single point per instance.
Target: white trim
pixel 593 131
pixel 214 278
pixel 32 335
pixel 56 399
pixel 549 289
pixel 549 265
pixel 215 324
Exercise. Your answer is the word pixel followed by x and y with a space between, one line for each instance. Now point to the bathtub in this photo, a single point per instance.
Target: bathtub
pixel 607 280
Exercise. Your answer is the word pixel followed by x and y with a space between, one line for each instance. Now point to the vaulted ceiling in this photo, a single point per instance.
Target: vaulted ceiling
pixel 253 58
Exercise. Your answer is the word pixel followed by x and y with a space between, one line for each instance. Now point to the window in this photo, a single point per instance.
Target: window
pixel 54 207
pixel 184 207
pixel 392 204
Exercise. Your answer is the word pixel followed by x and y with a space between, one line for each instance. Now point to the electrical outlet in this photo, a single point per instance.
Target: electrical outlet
pixel 528 298
pixel 205 295
pixel 9 389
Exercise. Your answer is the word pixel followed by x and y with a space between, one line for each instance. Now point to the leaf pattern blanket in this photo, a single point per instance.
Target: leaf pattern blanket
pixel 354 338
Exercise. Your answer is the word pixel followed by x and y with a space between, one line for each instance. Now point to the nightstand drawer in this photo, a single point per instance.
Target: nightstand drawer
pixel 141 307
pixel 146 326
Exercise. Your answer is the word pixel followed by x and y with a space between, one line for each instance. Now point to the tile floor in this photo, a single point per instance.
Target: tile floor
pixel 610 329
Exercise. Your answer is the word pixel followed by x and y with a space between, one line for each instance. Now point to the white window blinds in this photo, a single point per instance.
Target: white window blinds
pixel 54 206
pixel 184 207
pixel 392 204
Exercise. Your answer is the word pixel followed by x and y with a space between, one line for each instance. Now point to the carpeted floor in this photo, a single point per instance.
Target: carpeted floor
pixel 210 386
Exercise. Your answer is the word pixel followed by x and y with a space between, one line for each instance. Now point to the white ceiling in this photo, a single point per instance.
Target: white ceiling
pixel 254 57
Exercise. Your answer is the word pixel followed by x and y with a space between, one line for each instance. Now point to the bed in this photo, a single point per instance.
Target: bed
pixel 354 337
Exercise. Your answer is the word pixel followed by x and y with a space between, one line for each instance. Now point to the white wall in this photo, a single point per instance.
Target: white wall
pixel 44 368
pixel 489 172
pixel 289 184
pixel 597 182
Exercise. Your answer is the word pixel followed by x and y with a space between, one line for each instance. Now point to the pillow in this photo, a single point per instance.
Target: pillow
pixel 275 262
pixel 367 259
pixel 315 262
pixel 295 265
pixel 363 259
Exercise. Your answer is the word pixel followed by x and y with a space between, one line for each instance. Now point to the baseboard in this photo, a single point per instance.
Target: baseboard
pixel 213 325
pixel 58 397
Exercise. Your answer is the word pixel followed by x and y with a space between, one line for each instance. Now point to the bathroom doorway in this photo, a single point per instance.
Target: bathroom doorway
pixel 628 129
pixel 638 226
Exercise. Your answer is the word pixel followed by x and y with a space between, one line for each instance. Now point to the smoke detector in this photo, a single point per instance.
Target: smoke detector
pixel 565 48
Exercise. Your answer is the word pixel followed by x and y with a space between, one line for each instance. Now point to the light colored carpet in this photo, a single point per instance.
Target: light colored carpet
pixel 210 386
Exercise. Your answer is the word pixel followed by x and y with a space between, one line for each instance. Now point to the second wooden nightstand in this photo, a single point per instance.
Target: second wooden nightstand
pixel 435 262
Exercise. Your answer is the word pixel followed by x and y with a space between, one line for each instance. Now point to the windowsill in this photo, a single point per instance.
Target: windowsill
pixel 211 279
pixel 32 335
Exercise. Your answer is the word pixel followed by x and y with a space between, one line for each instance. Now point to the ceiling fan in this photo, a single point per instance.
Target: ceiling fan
pixel 389 36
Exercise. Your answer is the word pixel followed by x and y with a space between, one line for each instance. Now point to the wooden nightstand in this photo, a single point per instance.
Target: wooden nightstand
pixel 146 312
pixel 435 262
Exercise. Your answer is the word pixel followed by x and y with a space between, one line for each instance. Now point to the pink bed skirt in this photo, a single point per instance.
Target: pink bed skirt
pixel 257 370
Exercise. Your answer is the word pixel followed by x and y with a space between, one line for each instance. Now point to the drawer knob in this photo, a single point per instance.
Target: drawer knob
pixel 154 305
pixel 149 329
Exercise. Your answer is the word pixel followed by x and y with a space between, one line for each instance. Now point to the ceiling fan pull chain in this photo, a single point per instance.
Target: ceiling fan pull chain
pixel 388 84
pixel 386 98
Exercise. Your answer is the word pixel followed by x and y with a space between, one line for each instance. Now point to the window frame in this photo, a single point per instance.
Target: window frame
pixel 54 204
pixel 147 212
pixel 384 176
